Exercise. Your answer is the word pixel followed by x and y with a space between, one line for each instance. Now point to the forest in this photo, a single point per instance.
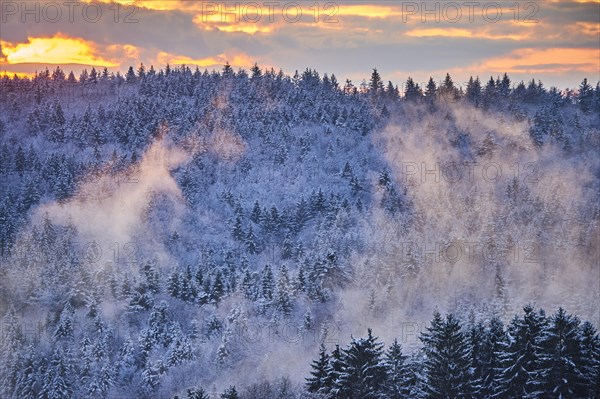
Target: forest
pixel 189 234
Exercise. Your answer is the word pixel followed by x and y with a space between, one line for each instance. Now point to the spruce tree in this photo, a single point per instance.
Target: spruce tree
pixel 58 383
pixel 494 338
pixel 589 346
pixel 334 371
pixel 430 91
pixel 230 393
pixel 376 84
pixel 561 356
pixel 521 375
pixel 446 364
pixel 318 382
pixel 399 380
pixel 363 374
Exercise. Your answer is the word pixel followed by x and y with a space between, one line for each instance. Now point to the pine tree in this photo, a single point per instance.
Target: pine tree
pixel 130 76
pixel 318 382
pixel 31 196
pixel 27 379
pixel 504 86
pixel 20 162
pixel 318 202
pixel 141 72
pixel 151 376
pixel 255 215
pixel 489 93
pixel 560 358
pixel 180 348
pixel 521 374
pixel 334 371
pixel 287 250
pixel 392 92
pixel 251 244
pixel 227 70
pixel 126 363
pixel 376 84
pixel 473 93
pixel 83 77
pixel 363 374
pixel 302 215
pixel 231 392
pixel 585 96
pixel 256 72
pixel 412 92
pixel 589 344
pixel 267 284
pixel 447 89
pixel 247 286
pixel 64 329
pixel 218 289
pixel 140 299
pixel 58 382
pixel 238 229
pixel 58 75
pixel 284 302
pixel 492 345
pixel 10 345
pixel 475 339
pixel 447 358
pixel 197 393
pixel 430 91
pixel 399 377
pixel 93 77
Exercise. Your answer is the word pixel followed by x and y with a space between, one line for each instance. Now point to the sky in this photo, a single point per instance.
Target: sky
pixel 556 41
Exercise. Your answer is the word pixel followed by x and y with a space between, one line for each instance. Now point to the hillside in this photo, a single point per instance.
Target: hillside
pixel 183 228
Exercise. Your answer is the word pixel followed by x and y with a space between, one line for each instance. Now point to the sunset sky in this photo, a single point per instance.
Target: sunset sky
pixel 556 41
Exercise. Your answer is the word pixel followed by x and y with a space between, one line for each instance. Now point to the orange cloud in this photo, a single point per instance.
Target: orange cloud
pixel 552 60
pixel 587 28
pixel 458 32
pixel 214 22
pixel 11 74
pixel 365 10
pixel 158 5
pixel 240 60
pixel 231 19
pixel 54 50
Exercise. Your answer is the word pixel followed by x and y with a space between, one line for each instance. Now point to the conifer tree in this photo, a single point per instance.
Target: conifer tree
pixel 446 358
pixel 363 374
pixel 231 392
pixel 560 359
pixel 318 382
pixel 589 344
pixel 399 377
pixel 58 383
pixel 521 374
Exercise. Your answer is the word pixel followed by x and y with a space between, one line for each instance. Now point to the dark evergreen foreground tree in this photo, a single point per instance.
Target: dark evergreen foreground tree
pixel 565 375
pixel 400 379
pixel 536 357
pixel 522 373
pixel 363 374
pixel 318 382
pixel 447 359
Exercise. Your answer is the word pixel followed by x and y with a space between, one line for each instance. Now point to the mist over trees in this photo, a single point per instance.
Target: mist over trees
pixel 194 234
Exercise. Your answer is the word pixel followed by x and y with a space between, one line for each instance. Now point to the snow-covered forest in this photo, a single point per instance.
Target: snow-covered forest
pixel 179 233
